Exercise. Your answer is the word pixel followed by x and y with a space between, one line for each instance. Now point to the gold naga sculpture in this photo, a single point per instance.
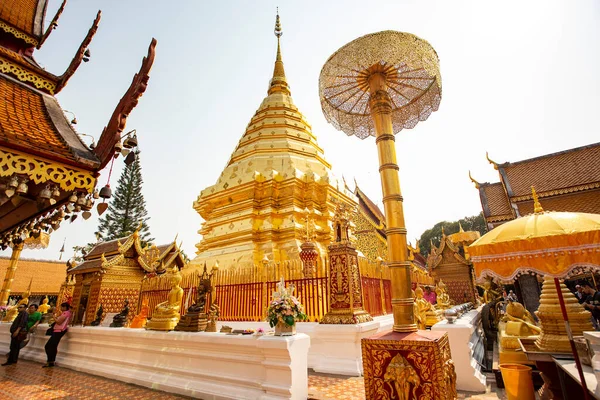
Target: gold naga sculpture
pixel 43 308
pixel 166 314
pixel 489 292
pixel 443 299
pixel 427 315
pixel 213 315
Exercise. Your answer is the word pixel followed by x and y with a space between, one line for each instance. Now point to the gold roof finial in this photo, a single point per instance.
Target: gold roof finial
pixel 460 228
pixel 278 82
pixel 537 207
pixel 474 181
pixel 495 164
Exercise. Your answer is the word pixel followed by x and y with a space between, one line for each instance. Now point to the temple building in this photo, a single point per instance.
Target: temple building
pixel 566 181
pixel 449 262
pixel 48 174
pixel 113 271
pixel 275 178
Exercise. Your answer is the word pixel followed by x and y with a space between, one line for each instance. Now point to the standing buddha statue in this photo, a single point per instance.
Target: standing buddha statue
pixel 43 308
pixel 140 320
pixel 166 314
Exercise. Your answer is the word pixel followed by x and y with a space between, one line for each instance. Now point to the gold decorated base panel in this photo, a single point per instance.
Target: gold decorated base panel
pixel 346 317
pixel 407 366
pixel 166 324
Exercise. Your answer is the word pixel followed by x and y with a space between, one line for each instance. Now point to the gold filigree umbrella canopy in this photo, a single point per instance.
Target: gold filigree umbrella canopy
pixel 378 85
pixel 554 244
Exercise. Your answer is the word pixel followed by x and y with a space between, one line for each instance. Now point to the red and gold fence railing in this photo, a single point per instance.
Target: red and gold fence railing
pixel 243 293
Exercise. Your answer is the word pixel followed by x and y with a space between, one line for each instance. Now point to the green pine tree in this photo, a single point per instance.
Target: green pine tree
pixel 127 208
pixel 474 223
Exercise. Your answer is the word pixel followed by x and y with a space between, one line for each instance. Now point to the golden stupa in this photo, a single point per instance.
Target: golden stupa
pixel 276 179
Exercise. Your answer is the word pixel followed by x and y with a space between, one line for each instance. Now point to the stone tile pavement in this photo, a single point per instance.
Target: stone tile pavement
pixel 27 380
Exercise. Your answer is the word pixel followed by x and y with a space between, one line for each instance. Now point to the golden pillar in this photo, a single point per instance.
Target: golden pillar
pixel 10 273
pixel 381 112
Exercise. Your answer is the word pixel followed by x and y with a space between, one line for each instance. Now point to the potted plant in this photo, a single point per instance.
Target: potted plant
pixel 284 310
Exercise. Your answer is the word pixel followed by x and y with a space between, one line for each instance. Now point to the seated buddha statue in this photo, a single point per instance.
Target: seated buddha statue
pixel 13 312
pixel 443 300
pixel 426 313
pixel 43 308
pixel 120 320
pixel 140 320
pixel 166 314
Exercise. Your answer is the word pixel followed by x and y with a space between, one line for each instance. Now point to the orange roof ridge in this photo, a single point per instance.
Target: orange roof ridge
pixel 550 155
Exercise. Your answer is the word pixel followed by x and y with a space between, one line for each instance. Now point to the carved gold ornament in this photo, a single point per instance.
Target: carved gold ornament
pixel 24 75
pixel 17 33
pixel 40 171
pixel 402 375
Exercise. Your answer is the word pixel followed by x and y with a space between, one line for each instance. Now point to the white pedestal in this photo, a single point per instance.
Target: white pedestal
pixel 465 340
pixel 334 349
pixel 210 366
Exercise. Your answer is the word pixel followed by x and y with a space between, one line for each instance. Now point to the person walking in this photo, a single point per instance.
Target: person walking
pixel 18 332
pixel 61 325
pixel 592 303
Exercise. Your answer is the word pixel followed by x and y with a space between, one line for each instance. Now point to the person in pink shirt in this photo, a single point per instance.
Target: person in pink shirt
pixel 430 295
pixel 61 325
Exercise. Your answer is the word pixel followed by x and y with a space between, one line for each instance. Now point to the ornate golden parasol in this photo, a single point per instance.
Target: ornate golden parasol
pixel 378 85
pixel 555 244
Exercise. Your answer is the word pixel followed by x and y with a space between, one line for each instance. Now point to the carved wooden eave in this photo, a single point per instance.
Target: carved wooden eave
pixel 111 134
pixel 78 58
pixel 53 24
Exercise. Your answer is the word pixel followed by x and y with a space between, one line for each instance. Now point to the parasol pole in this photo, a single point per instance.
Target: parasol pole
pixel 561 300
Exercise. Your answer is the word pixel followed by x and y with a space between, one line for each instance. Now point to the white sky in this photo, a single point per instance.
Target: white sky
pixel 520 79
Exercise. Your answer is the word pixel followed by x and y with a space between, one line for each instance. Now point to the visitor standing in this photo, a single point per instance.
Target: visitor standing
pixel 18 332
pixel 34 318
pixel 61 325
pixel 579 294
pixel 430 295
pixel 592 302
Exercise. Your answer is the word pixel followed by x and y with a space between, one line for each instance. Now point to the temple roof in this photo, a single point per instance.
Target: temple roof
pixel 552 172
pixel 25 15
pixel 33 121
pixel 566 181
pixel 45 276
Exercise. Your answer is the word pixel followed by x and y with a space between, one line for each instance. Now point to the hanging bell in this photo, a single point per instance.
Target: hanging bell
pixel 96 195
pixel 118 147
pixel 106 192
pixel 70 208
pixel 130 158
pixel 45 193
pixel 81 200
pixel 55 225
pixel 13 182
pixel 130 142
pixel 73 198
pixel 22 188
pixel 56 192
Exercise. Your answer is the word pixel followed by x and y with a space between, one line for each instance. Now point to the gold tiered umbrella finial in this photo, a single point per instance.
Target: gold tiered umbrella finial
pixel 537 207
pixel 279 81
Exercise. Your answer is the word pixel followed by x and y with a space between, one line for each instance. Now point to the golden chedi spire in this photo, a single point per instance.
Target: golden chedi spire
pixel 276 171
pixel 278 82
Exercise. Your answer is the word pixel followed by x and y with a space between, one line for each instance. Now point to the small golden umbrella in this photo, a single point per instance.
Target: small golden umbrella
pixel 555 244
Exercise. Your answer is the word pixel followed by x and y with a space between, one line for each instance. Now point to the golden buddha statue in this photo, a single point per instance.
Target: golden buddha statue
pixel 166 314
pixel 140 320
pixel 443 300
pixel 13 312
pixel 43 308
pixel 426 313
